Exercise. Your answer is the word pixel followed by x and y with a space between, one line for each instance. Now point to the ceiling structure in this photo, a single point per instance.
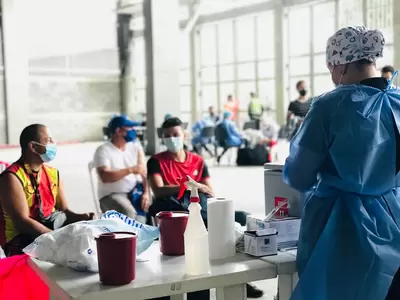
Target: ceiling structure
pixel 206 11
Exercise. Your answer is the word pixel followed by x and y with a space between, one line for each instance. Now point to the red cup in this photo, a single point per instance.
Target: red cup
pixel 116 253
pixel 172 227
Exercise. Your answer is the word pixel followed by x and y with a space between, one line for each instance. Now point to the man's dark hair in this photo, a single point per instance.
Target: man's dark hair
pixel 229 96
pixel 29 134
pixel 172 122
pixel 299 83
pixel 388 69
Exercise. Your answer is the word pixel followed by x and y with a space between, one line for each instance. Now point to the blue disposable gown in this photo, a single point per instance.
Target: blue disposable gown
pixel 197 128
pixel 234 136
pixel 344 157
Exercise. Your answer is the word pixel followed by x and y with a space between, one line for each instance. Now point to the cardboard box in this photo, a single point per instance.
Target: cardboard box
pixel 261 242
pixel 288 229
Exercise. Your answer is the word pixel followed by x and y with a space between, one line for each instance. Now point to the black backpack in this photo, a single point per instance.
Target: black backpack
pixel 256 156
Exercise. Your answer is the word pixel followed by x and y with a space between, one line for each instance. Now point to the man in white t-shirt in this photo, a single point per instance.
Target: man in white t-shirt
pixel 121 167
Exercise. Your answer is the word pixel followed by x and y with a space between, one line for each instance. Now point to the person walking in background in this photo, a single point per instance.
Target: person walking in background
pixel 300 106
pixel 387 72
pixel 232 106
pixel 255 109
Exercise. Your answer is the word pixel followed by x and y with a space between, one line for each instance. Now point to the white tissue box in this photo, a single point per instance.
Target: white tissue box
pixel 288 229
pixel 261 242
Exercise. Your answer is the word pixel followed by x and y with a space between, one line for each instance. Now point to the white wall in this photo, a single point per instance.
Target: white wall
pixel 60 27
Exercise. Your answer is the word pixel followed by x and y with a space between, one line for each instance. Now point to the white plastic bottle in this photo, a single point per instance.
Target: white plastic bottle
pixel 197 257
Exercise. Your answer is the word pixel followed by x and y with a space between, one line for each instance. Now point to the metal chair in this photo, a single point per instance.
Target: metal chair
pixel 221 136
pixel 207 133
pixel 250 125
pixel 3 165
pixel 94 184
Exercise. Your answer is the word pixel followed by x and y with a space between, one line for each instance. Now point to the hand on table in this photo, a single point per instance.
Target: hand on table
pixel 89 216
pixel 73 217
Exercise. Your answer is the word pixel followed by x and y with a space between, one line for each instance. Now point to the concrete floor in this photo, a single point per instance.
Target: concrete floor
pixel 244 185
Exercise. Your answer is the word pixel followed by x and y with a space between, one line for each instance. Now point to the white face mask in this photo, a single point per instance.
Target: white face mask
pixel 174 144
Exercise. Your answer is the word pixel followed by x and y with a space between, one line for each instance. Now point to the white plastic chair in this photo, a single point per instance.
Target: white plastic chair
pixel 94 184
pixel 3 166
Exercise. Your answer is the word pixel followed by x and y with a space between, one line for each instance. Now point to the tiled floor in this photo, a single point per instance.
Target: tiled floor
pixel 244 185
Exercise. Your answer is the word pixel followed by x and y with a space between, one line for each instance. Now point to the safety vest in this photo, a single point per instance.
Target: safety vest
pixel 255 108
pixel 48 188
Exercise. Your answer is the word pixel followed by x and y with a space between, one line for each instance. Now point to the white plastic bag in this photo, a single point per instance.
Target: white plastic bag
pixel 2 254
pixel 74 245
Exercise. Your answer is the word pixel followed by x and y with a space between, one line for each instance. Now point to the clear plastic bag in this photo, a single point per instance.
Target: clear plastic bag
pixel 239 235
pixel 75 246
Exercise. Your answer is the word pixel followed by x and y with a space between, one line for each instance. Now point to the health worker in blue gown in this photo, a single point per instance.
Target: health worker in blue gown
pixel 346 157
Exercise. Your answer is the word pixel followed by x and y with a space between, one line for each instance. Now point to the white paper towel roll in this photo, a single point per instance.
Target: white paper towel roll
pixel 221 228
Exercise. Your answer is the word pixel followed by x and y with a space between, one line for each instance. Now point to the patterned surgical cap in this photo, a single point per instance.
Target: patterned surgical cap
pixel 351 44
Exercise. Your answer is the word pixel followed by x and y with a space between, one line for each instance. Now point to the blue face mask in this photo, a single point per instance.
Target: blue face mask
pixel 130 135
pixel 50 154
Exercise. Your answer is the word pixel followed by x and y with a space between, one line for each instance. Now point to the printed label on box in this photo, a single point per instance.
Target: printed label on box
pixel 284 210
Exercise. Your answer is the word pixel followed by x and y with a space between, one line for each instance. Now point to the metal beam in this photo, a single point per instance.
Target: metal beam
pixel 288 3
pixel 140 33
pixel 241 11
pixel 237 12
pixel 130 9
pixel 192 21
pixel 134 7
pixel 252 9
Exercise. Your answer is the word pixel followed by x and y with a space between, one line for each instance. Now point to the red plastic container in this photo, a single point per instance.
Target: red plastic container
pixel 116 253
pixel 172 227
